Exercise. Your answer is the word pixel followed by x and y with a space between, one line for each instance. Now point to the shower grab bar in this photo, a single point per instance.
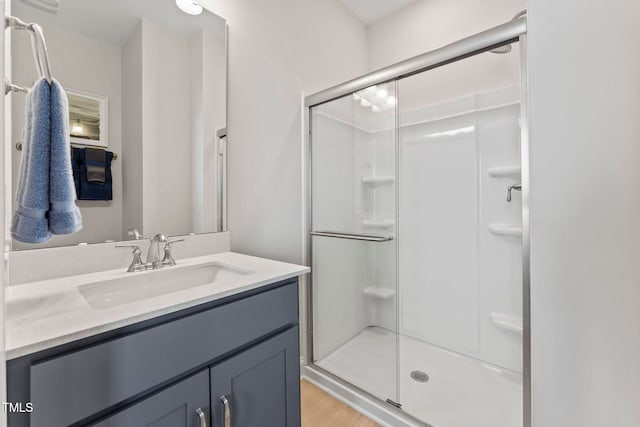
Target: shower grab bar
pixel 339 235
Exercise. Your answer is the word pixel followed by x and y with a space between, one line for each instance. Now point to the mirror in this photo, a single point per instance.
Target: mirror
pixel 88 119
pixel 146 84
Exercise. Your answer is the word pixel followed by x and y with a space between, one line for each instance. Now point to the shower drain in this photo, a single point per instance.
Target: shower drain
pixel 419 376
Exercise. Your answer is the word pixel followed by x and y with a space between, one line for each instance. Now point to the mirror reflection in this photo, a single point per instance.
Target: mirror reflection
pixel 88 119
pixel 146 85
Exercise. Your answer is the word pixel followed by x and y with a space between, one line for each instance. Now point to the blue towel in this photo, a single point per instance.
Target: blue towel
pixel 29 223
pixel 64 215
pixel 45 198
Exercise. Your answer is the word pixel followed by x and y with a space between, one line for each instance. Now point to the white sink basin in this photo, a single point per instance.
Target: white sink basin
pixel 140 286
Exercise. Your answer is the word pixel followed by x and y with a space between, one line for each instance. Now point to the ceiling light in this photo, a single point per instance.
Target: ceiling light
pixel 391 101
pixel 365 103
pixel 382 93
pixel 191 7
pixel 77 127
pixel 375 109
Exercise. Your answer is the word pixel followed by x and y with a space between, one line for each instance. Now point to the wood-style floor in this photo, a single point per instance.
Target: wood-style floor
pixel 321 410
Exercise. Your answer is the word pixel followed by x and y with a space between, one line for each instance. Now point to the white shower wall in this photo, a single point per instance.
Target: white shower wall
pixel 452 271
pixel 455 275
pixel 341 265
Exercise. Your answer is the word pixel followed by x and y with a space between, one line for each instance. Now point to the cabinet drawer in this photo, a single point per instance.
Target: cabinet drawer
pixel 77 385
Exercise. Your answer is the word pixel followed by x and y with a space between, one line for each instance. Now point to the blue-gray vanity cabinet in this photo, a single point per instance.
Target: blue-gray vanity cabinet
pixel 259 387
pixel 91 380
pixel 185 404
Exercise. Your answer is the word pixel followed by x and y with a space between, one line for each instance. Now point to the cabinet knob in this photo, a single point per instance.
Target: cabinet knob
pixel 227 410
pixel 203 418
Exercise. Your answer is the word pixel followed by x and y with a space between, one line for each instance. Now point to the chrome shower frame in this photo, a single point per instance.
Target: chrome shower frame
pixel 511 32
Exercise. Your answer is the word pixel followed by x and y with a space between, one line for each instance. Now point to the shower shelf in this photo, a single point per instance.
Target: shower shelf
pixel 378 180
pixel 378 223
pixel 508 171
pixel 505 230
pixel 507 322
pixel 380 293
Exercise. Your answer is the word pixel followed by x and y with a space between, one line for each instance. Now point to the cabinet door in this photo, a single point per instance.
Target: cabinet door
pixel 185 404
pixel 261 385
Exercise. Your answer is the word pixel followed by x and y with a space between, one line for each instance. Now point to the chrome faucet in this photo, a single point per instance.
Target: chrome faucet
pixel 154 258
pixel 153 255
pixel 517 186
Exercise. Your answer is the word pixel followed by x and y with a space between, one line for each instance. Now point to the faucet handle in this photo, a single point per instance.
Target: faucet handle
pixel 135 233
pixel 136 263
pixel 168 257
pixel 136 248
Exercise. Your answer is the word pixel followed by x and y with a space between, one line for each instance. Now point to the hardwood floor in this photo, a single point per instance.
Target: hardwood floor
pixel 321 410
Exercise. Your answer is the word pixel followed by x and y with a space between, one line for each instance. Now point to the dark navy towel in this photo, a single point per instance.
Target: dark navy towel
pixel 87 188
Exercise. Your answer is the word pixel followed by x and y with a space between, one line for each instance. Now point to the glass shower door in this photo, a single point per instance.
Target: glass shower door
pixel 460 347
pixel 353 242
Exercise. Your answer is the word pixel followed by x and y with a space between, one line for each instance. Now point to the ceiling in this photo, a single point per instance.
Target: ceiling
pixel 113 20
pixel 372 11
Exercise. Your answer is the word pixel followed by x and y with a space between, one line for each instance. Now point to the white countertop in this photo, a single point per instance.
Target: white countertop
pixel 49 313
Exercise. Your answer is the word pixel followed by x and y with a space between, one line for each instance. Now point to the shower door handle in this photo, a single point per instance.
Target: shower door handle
pixel 350 236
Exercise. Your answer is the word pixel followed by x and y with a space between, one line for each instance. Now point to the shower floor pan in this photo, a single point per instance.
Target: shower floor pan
pixel 459 392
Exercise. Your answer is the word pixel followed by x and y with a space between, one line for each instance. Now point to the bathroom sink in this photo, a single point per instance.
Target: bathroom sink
pixel 140 286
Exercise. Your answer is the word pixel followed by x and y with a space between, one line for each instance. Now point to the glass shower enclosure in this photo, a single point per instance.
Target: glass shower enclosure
pixel 417 249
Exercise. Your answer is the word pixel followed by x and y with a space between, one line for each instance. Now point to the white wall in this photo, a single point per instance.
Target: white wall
pixel 166 63
pixel 196 121
pixel 584 68
pixel 88 65
pixel 208 114
pixel 170 170
pixel 277 50
pixel 428 24
pixel 132 160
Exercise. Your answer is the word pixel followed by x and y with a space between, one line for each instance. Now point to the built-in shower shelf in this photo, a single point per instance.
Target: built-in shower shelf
pixel 507 322
pixel 381 293
pixel 506 171
pixel 379 223
pixel 505 230
pixel 378 180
